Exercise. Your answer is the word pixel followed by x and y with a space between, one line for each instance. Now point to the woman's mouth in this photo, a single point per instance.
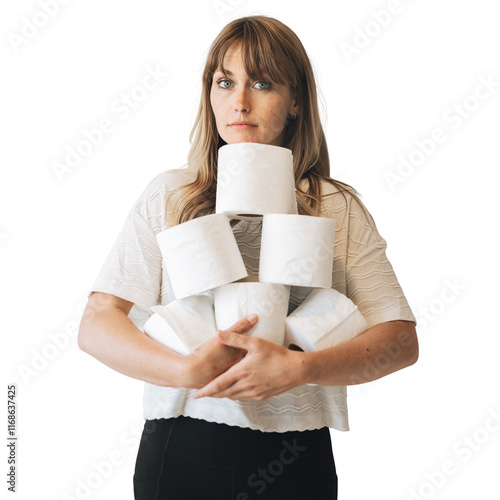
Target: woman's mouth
pixel 242 125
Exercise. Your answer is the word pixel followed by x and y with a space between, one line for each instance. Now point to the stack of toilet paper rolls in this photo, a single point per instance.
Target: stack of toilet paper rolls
pixel 203 261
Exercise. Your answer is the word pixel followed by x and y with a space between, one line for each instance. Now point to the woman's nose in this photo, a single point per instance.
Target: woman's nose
pixel 242 101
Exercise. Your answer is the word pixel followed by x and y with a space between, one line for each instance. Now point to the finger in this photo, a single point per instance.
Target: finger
pixel 234 392
pixel 229 338
pixel 238 392
pixel 244 324
pixel 219 384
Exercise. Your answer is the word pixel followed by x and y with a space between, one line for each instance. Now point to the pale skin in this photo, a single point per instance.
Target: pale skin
pixel 231 364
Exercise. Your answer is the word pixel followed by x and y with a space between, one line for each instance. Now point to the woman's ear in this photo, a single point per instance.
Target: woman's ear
pixel 294 108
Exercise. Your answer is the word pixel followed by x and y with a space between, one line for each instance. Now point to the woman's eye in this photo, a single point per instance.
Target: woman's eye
pixel 266 85
pixel 225 84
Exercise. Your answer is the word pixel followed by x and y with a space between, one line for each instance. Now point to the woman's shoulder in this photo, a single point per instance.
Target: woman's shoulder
pixel 337 198
pixel 151 203
pixel 169 180
pixel 163 184
pixel 342 202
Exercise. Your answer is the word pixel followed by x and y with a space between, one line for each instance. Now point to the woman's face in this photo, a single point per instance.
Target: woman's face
pixel 246 110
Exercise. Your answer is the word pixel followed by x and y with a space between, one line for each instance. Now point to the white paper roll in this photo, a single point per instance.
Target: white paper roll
pixel 255 179
pixel 157 328
pixel 270 301
pixel 325 318
pixel 184 324
pixel 297 250
pixel 201 254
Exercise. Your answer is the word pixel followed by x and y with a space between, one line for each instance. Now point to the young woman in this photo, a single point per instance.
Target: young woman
pixel 237 419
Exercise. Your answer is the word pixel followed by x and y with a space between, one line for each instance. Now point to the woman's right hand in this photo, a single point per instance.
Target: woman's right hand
pixel 212 357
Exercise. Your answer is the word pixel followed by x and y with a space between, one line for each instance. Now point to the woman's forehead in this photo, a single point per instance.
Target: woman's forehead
pixel 237 54
pixel 231 57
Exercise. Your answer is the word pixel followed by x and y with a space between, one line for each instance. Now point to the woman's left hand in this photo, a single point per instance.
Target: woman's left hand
pixel 266 370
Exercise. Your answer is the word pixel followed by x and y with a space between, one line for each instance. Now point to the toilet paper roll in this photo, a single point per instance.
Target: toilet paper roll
pixel 184 324
pixel 157 328
pixel 324 319
pixel 297 250
pixel 201 254
pixel 255 179
pixel 270 301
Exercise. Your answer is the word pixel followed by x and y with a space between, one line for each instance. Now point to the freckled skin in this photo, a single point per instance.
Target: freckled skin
pixel 235 98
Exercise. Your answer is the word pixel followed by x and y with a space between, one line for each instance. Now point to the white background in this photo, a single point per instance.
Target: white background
pixel 411 77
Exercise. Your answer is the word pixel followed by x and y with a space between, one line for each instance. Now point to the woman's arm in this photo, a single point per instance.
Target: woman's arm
pixel 269 369
pixel 107 334
pixel 381 350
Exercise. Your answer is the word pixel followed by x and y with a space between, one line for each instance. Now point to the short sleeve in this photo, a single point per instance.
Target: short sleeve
pixel 371 282
pixel 132 269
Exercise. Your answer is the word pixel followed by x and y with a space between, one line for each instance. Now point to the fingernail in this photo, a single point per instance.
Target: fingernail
pixel 252 318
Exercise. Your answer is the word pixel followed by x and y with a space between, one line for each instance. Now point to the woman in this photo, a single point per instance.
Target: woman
pixel 235 419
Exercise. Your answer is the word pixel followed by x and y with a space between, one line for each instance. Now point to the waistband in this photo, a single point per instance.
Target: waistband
pixel 229 447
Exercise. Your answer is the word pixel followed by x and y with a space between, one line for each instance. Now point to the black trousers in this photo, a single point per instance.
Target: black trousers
pixel 188 458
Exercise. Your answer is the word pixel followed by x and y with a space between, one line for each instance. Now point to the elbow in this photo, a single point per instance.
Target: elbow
pixel 87 327
pixel 416 349
pixel 82 340
pixel 414 356
pixel 407 340
pixel 413 349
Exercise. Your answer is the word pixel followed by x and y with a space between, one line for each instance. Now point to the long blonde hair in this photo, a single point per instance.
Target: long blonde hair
pixel 272 49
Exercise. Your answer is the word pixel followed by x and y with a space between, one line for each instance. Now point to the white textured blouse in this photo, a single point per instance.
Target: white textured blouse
pixel 133 271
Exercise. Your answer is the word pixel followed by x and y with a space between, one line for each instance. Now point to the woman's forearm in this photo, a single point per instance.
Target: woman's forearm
pixel 109 335
pixel 381 350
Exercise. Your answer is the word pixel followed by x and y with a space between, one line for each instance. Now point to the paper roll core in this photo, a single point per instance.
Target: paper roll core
pixel 324 319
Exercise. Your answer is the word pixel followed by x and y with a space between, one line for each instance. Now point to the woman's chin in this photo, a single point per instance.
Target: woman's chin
pixel 238 138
